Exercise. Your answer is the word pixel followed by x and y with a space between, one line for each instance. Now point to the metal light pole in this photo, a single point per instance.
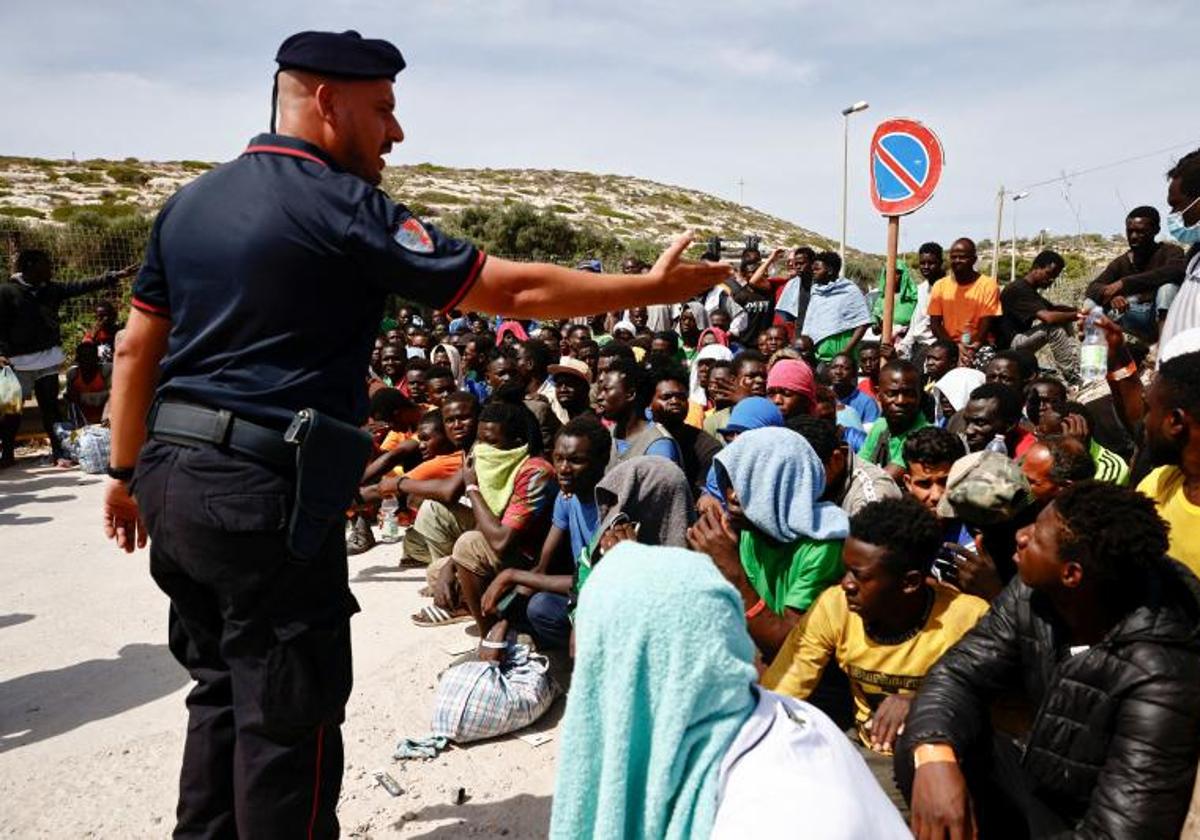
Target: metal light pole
pixel 846 112
pixel 1012 267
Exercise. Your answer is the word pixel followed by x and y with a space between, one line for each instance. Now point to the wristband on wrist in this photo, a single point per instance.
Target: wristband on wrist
pixel 120 473
pixel 933 754
pixel 756 609
pixel 471 487
pixel 1122 373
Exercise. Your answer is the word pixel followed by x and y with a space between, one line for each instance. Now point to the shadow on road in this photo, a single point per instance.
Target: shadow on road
pixel 388 574
pixel 13 619
pixel 42 705
pixel 523 816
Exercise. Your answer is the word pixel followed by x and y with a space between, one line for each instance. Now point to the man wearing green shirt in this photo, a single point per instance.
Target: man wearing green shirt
pixel 899 395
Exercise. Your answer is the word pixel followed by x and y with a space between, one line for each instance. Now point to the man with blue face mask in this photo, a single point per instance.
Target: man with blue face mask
pixel 1183 223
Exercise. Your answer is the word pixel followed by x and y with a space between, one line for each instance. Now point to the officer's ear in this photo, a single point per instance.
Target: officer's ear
pixel 326 98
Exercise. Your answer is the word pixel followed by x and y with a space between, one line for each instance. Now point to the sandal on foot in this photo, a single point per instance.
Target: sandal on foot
pixel 435 616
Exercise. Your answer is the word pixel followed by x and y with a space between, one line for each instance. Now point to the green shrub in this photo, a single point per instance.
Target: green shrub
pixel 438 197
pixel 130 175
pixel 84 177
pixel 81 212
pixel 22 213
pixel 196 164
pixel 561 208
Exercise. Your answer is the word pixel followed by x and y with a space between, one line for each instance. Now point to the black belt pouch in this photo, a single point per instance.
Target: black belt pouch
pixel 330 459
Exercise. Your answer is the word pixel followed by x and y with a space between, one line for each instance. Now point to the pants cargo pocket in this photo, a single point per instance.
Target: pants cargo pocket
pixel 309 672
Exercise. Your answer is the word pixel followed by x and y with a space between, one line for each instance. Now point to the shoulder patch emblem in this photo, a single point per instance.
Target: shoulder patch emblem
pixel 412 236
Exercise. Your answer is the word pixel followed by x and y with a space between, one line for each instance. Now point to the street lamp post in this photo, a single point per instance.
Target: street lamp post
pixel 846 112
pixel 1012 267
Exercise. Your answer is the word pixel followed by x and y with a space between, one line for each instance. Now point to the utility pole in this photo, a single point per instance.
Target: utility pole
pixel 996 239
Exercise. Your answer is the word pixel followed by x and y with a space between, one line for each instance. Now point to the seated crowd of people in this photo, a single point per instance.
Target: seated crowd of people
pixel 935 540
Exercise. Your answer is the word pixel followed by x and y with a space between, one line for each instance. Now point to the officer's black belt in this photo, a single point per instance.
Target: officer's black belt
pixel 190 424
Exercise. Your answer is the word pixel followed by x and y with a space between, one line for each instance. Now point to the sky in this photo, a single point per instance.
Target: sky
pixel 700 94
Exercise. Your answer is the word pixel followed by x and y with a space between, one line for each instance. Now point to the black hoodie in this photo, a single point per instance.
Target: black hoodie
pixel 1114 744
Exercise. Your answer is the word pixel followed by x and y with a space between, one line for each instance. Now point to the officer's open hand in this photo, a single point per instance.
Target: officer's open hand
pixel 122 522
pixel 679 279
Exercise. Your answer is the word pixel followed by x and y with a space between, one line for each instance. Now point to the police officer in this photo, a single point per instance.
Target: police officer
pixel 261 291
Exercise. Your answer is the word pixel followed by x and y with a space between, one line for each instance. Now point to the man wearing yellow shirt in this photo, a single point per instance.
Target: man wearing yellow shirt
pixel 1173 438
pixel 885 625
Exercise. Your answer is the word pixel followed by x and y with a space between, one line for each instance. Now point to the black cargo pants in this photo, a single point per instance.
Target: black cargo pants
pixel 265 637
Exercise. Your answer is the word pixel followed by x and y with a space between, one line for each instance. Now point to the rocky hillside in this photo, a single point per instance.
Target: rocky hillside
pixel 625 207
pixel 629 208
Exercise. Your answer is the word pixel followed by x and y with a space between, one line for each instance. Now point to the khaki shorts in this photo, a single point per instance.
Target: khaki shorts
pixel 474 553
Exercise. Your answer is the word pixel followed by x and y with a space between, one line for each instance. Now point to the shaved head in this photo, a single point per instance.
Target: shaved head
pixel 351 119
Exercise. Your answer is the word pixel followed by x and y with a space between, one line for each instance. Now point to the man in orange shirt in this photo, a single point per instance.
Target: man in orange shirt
pixel 964 304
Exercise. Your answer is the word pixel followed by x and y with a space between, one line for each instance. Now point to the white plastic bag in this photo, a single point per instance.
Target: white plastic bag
pixel 92 447
pixel 11 399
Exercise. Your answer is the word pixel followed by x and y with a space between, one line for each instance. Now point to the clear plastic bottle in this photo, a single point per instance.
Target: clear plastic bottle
pixel 1093 355
pixel 998 446
pixel 389 528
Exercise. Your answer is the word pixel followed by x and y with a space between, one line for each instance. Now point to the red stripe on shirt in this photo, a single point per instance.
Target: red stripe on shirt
pixel 472 276
pixel 283 150
pixel 151 309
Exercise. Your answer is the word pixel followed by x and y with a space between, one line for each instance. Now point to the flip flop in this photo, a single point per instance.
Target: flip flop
pixel 435 616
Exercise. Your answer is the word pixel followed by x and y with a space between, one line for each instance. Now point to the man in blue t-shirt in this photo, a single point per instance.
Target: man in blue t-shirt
pixel 581 454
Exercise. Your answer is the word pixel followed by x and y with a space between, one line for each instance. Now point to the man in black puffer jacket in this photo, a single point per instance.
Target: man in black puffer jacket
pixel 1102 631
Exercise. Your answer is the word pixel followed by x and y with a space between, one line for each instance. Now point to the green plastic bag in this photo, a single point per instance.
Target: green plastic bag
pixel 906 296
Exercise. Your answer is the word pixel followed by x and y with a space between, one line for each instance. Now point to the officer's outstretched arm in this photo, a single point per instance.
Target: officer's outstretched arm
pixel 539 290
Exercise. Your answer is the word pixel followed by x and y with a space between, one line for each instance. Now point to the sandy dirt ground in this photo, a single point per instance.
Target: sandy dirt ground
pixel 91 701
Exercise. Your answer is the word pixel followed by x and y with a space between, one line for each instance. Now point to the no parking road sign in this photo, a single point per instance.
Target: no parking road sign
pixel 906 163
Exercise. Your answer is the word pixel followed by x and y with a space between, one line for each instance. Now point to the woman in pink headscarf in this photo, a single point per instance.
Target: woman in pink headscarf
pixel 513 329
pixel 712 335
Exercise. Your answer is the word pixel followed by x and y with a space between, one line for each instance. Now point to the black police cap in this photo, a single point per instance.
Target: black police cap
pixel 345 54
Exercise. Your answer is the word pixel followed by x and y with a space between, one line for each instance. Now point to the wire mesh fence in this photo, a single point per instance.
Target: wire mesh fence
pixel 79 251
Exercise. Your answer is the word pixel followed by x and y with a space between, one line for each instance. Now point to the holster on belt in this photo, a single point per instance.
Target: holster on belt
pixel 330 459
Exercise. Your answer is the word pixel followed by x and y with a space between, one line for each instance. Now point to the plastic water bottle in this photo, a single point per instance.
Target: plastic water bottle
pixel 388 526
pixel 965 338
pixel 1093 355
pixel 998 446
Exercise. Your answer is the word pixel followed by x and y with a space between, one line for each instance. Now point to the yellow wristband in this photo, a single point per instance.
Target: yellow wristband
pixel 933 754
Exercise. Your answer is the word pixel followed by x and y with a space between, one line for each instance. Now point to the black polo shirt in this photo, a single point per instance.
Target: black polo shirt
pixel 273 270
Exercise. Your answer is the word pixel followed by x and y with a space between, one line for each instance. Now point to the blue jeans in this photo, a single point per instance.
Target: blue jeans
pixel 1141 318
pixel 548 620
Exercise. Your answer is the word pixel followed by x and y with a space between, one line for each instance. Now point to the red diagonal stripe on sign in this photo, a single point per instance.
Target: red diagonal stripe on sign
pixel 885 157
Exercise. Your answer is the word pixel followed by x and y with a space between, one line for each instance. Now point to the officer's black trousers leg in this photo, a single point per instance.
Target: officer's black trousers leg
pixel 266 638
pixel 46 392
